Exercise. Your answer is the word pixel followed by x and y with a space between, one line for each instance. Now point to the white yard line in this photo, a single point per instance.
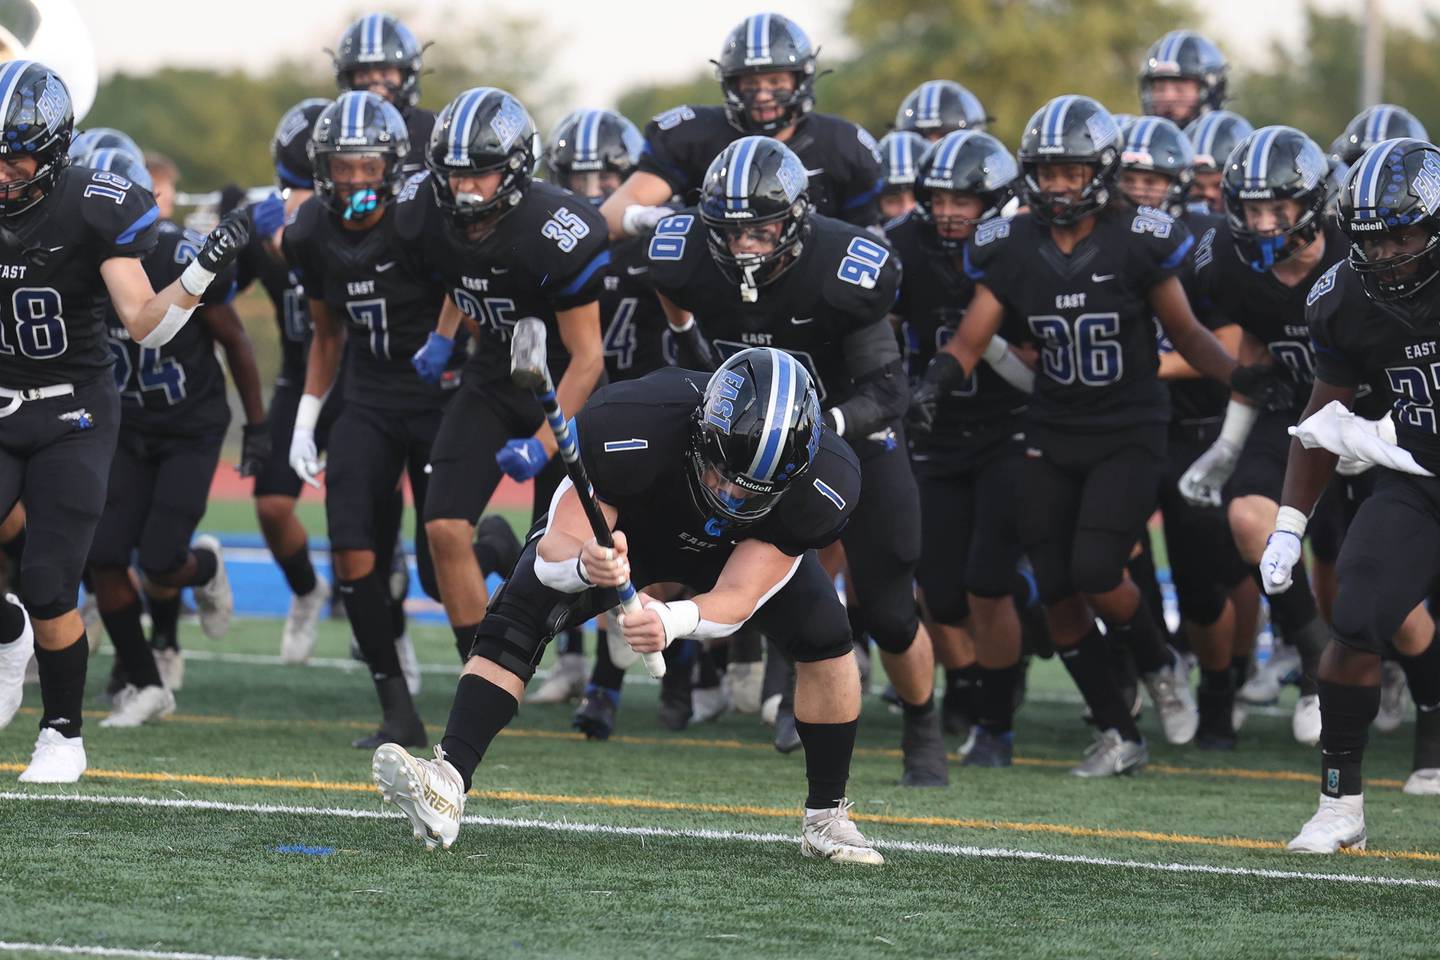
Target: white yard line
pixel 83 951
pixel 908 846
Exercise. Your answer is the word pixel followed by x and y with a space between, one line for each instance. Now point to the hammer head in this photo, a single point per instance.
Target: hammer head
pixel 527 355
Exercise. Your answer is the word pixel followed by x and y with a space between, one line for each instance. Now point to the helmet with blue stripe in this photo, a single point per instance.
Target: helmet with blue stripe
pixel 88 141
pixel 289 148
pixel 588 144
pixel 755 181
pixel 755 432
pixel 966 162
pixel 1070 129
pixel 1390 209
pixel 900 153
pixel 1373 125
pixel 483 130
pixel 36 120
pixel 1157 145
pixel 1275 163
pixel 766 43
pixel 1213 136
pixel 115 160
pixel 1184 55
pixel 938 107
pixel 380 40
pixel 361 125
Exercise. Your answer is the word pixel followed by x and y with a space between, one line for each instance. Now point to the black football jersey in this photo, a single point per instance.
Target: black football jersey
pixel 546 255
pixel 934 293
pixel 1395 367
pixel 1197 400
pixel 53 301
pixel 420 123
pixel 634 441
pixel 362 277
pixel 1264 307
pixel 633 325
pixel 287 297
pixel 842 159
pixel 1088 311
pixel 845 279
pixel 178 388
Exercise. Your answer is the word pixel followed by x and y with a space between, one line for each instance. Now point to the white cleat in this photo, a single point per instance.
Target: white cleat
pixel 744 682
pixel 57 759
pixel 1424 782
pixel 832 835
pixel 1111 755
pixel 1393 688
pixel 1338 825
pixel 94 626
pixel 171 664
pixel 138 706
pixel 429 792
pixel 1264 687
pixel 1239 713
pixel 409 663
pixel 14 658
pixel 770 709
pixel 1170 692
pixel 1305 722
pixel 566 681
pixel 708 703
pixel 297 639
pixel 213 599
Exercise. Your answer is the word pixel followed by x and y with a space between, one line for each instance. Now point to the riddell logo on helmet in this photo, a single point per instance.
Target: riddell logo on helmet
pixel 940 183
pixel 739 214
pixel 1266 194
pixel 1056 148
pixel 759 61
pixel 584 165
pixel 1366 225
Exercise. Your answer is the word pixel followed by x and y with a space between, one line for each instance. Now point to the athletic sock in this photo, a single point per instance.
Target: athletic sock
pixel 828 747
pixel 1422 673
pixel 206 564
pixel 299 572
pixel 1216 700
pixel 128 635
pixel 1295 613
pixel 367 605
pixel 572 641
pixel 605 674
pixel 914 711
pixel 62 686
pixel 1144 641
pixel 996 700
pixel 1346 713
pixel 1240 669
pixel 12 621
pixel 1088 667
pixel 963 683
pixel 709 672
pixel 480 711
pixel 464 640
pixel 164 622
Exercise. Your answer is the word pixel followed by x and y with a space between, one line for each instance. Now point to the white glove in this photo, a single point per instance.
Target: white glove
pixel 1282 552
pixel 1202 483
pixel 304 459
pixel 639 218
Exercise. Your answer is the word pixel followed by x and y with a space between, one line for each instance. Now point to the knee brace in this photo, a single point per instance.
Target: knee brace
pixel 1359 618
pixel 892 627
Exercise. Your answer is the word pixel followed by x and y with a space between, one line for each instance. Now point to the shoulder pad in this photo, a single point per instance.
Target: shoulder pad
pixel 674 248
pixel 868 142
pixel 122 215
pixel 1324 285
pixel 1204 253
pixel 1157 223
pixel 672 118
pixel 861 271
pixel 990 231
pixel 557 230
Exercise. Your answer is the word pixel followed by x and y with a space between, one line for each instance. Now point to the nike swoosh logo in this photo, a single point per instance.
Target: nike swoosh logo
pixel 1101 277
pixel 636 271
pixel 801 321
pixel 499 271
pixel 814 173
pixel 382 267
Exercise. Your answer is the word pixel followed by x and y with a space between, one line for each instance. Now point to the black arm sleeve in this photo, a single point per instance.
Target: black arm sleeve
pixel 882 393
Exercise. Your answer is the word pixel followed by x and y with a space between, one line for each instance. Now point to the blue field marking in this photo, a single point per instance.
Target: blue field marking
pixel 304 850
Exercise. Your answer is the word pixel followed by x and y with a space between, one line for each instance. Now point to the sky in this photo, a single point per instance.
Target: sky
pixel 630 42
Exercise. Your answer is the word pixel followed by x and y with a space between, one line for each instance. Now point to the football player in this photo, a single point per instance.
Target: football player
pixel 754 265
pixel 346 253
pixel 900 152
pixel 1373 314
pixel 1182 77
pixel 965 440
pixel 174 415
pixel 725 483
pixel 378 53
pixel 1370 126
pixel 1213 136
pixel 504 247
pixel 1090 274
pixel 767 71
pixel 70 250
pixel 938 107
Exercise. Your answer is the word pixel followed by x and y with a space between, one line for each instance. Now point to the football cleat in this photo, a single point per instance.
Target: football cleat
pixel 832 835
pixel 743 683
pixel 923 749
pixel 1392 697
pixel 213 599
pixel 429 792
pixel 94 626
pixel 787 736
pixel 14 657
pixel 1338 825
pixel 991 749
pixel 708 703
pixel 57 758
pixel 171 664
pixel 297 639
pixel 675 708
pixel 137 706
pixel 1264 687
pixel 1170 692
pixel 770 710
pixel 1424 782
pixel 1111 755
pixel 1305 722
pixel 596 715
pixel 409 663
pixel 566 681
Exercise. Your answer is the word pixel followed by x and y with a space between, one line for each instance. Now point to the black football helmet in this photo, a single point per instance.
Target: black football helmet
pixel 754 181
pixel 289 148
pixel 1275 163
pixel 1070 129
pixel 938 107
pixel 1157 145
pixel 358 124
pixel 87 142
pixel 482 130
pixel 966 161
pixel 37 120
pixel 764 43
pixel 900 153
pixel 379 40
pixel 118 161
pixel 1370 126
pixel 756 431
pixel 1213 136
pixel 588 143
pixel 1184 55
pixel 1395 185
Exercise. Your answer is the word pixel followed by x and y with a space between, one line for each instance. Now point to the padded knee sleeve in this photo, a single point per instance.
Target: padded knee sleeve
pixel 1097 561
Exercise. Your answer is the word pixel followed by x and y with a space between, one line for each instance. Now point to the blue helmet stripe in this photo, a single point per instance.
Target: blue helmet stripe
pixel 584 134
pixel 102 159
pixel 1257 163
pixel 1170 46
pixel 783 382
pixel 930 101
pixel 737 181
pixel 372 32
pixel 461 121
pixel 10 76
pixel 1376 125
pixel 1053 125
pixel 1209 130
pixel 1367 184
pixel 948 154
pixel 352 115
pixel 757 37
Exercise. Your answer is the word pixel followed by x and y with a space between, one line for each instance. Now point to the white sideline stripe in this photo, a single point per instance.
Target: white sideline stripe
pixel 8 947
pixel 908 846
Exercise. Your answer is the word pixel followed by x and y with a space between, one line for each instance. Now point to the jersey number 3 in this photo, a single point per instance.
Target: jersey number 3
pixel 39 329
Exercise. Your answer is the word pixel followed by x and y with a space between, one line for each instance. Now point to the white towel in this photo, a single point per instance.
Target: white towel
pixel 1338 430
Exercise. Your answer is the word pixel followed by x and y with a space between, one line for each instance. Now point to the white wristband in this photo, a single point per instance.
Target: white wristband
pixel 839 418
pixel 680 618
pixel 308 413
pixel 169 325
pixel 1239 419
pixel 996 350
pixel 562 575
pixel 1290 520
pixel 196 279
pixel 689 322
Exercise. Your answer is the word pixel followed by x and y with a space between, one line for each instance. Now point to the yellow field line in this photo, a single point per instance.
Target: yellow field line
pixel 727 809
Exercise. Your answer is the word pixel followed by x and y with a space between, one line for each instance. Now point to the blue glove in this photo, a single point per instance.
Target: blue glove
pixel 522 459
pixel 268 215
pixel 429 361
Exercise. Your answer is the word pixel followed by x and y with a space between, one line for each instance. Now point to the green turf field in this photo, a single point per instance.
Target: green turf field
pixel 246 825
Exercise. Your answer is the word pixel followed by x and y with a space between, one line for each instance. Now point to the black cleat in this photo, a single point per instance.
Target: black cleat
pixel 497 549
pixel 787 738
pixel 1213 740
pixel 924 748
pixel 991 749
pixel 595 716
pixel 675 700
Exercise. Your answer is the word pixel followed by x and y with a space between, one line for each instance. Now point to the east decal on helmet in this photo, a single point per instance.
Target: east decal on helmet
pixel 755 181
pixel 380 40
pixel 289 147
pixel 482 130
pixel 766 43
pixel 358 124
pixel 37 121
pixel 1275 163
pixel 938 107
pixel 969 162
pixel 1157 145
pixel 1070 129
pixel 1185 55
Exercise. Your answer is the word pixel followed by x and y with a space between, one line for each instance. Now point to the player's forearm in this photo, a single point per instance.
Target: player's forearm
pixel 171 307
pixel 449 322
pixel 882 392
pixel 1307 472
pixel 1206 354
pixel 735 599
pixel 240 358
pixel 323 364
